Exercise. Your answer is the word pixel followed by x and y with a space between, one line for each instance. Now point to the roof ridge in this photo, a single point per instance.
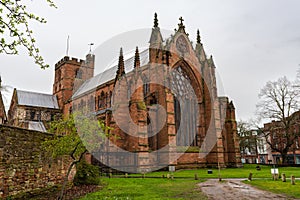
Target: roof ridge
pixel 33 92
pixel 99 79
pixel 36 99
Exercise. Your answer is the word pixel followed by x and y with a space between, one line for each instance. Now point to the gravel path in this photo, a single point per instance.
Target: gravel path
pixel 232 189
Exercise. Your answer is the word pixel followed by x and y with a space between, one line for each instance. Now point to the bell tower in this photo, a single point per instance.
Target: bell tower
pixel 70 73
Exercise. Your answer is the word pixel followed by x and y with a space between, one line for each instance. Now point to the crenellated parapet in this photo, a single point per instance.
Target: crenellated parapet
pixel 69 60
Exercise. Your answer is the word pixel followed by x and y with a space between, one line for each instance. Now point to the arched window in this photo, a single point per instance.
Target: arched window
pixel 110 97
pixel 153 100
pixel 91 103
pixel 185 108
pixel 146 86
pixel 98 101
pixel 101 100
pixel 78 74
pixel 81 104
pixel 107 99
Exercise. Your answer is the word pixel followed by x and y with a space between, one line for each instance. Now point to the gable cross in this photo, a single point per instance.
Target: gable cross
pixel 180 25
pixel 181 20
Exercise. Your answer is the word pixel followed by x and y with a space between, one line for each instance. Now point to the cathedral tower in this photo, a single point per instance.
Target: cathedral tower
pixel 70 73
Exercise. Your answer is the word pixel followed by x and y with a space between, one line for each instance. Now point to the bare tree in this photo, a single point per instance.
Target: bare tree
pixel 4 90
pixel 279 100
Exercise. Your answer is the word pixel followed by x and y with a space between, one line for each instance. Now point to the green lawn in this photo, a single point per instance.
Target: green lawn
pixel 277 186
pixel 148 188
pixel 184 186
pixel 265 172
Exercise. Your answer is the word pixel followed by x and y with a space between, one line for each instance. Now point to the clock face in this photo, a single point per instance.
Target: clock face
pixel 181 45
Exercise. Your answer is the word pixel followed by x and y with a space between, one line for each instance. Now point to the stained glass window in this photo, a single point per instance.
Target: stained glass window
pixel 185 108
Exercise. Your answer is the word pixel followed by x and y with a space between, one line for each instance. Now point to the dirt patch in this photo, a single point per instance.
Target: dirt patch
pixel 74 192
pixel 233 189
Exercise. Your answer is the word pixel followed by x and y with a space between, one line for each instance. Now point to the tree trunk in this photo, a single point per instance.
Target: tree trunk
pixel 284 157
pixel 66 180
pixel 68 173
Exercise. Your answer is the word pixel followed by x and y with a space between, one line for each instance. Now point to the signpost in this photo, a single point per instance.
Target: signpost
pixel 275 173
pixel 172 169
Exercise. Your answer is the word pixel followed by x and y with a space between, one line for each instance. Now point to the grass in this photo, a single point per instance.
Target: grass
pixel 277 186
pixel 148 188
pixel 184 186
pixel 265 172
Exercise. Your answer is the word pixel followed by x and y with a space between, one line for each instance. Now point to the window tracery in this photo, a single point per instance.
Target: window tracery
pixel 185 107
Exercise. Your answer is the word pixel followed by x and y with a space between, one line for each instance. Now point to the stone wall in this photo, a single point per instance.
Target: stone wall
pixel 23 165
pixel 20 114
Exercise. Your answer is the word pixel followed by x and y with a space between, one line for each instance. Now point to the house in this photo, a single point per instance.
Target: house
pixel 32 110
pixel 254 148
pixel 263 150
pixel 282 140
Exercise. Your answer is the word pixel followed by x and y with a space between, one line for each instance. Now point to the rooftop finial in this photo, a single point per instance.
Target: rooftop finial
pixel 198 37
pixel 155 38
pixel 180 25
pixel 137 58
pixel 181 20
pixel 91 44
pixel 121 59
pixel 121 65
pixel 211 61
pixel 155 20
pixel 121 51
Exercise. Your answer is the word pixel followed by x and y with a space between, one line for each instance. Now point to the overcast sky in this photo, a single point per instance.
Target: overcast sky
pixel 251 41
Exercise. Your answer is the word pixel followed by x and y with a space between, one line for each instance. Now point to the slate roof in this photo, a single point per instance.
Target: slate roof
pixel 110 74
pixel 36 99
pixel 36 126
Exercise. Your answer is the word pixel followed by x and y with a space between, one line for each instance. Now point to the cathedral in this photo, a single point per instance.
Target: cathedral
pixel 162 105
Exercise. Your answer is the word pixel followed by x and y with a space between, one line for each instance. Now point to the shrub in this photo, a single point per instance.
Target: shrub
pixel 86 174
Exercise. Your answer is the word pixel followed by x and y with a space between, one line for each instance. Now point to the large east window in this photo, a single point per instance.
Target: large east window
pixel 185 108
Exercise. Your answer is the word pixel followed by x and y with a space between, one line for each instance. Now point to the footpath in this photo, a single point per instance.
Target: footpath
pixel 234 189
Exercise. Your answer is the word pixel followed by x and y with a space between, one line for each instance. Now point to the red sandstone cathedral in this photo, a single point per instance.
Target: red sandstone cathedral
pixel 162 104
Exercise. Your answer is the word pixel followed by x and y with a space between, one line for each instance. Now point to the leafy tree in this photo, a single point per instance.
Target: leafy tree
pixel 15 29
pixel 278 101
pixel 73 136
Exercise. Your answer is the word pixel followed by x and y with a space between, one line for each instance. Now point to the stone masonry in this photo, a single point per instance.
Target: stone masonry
pixel 23 166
